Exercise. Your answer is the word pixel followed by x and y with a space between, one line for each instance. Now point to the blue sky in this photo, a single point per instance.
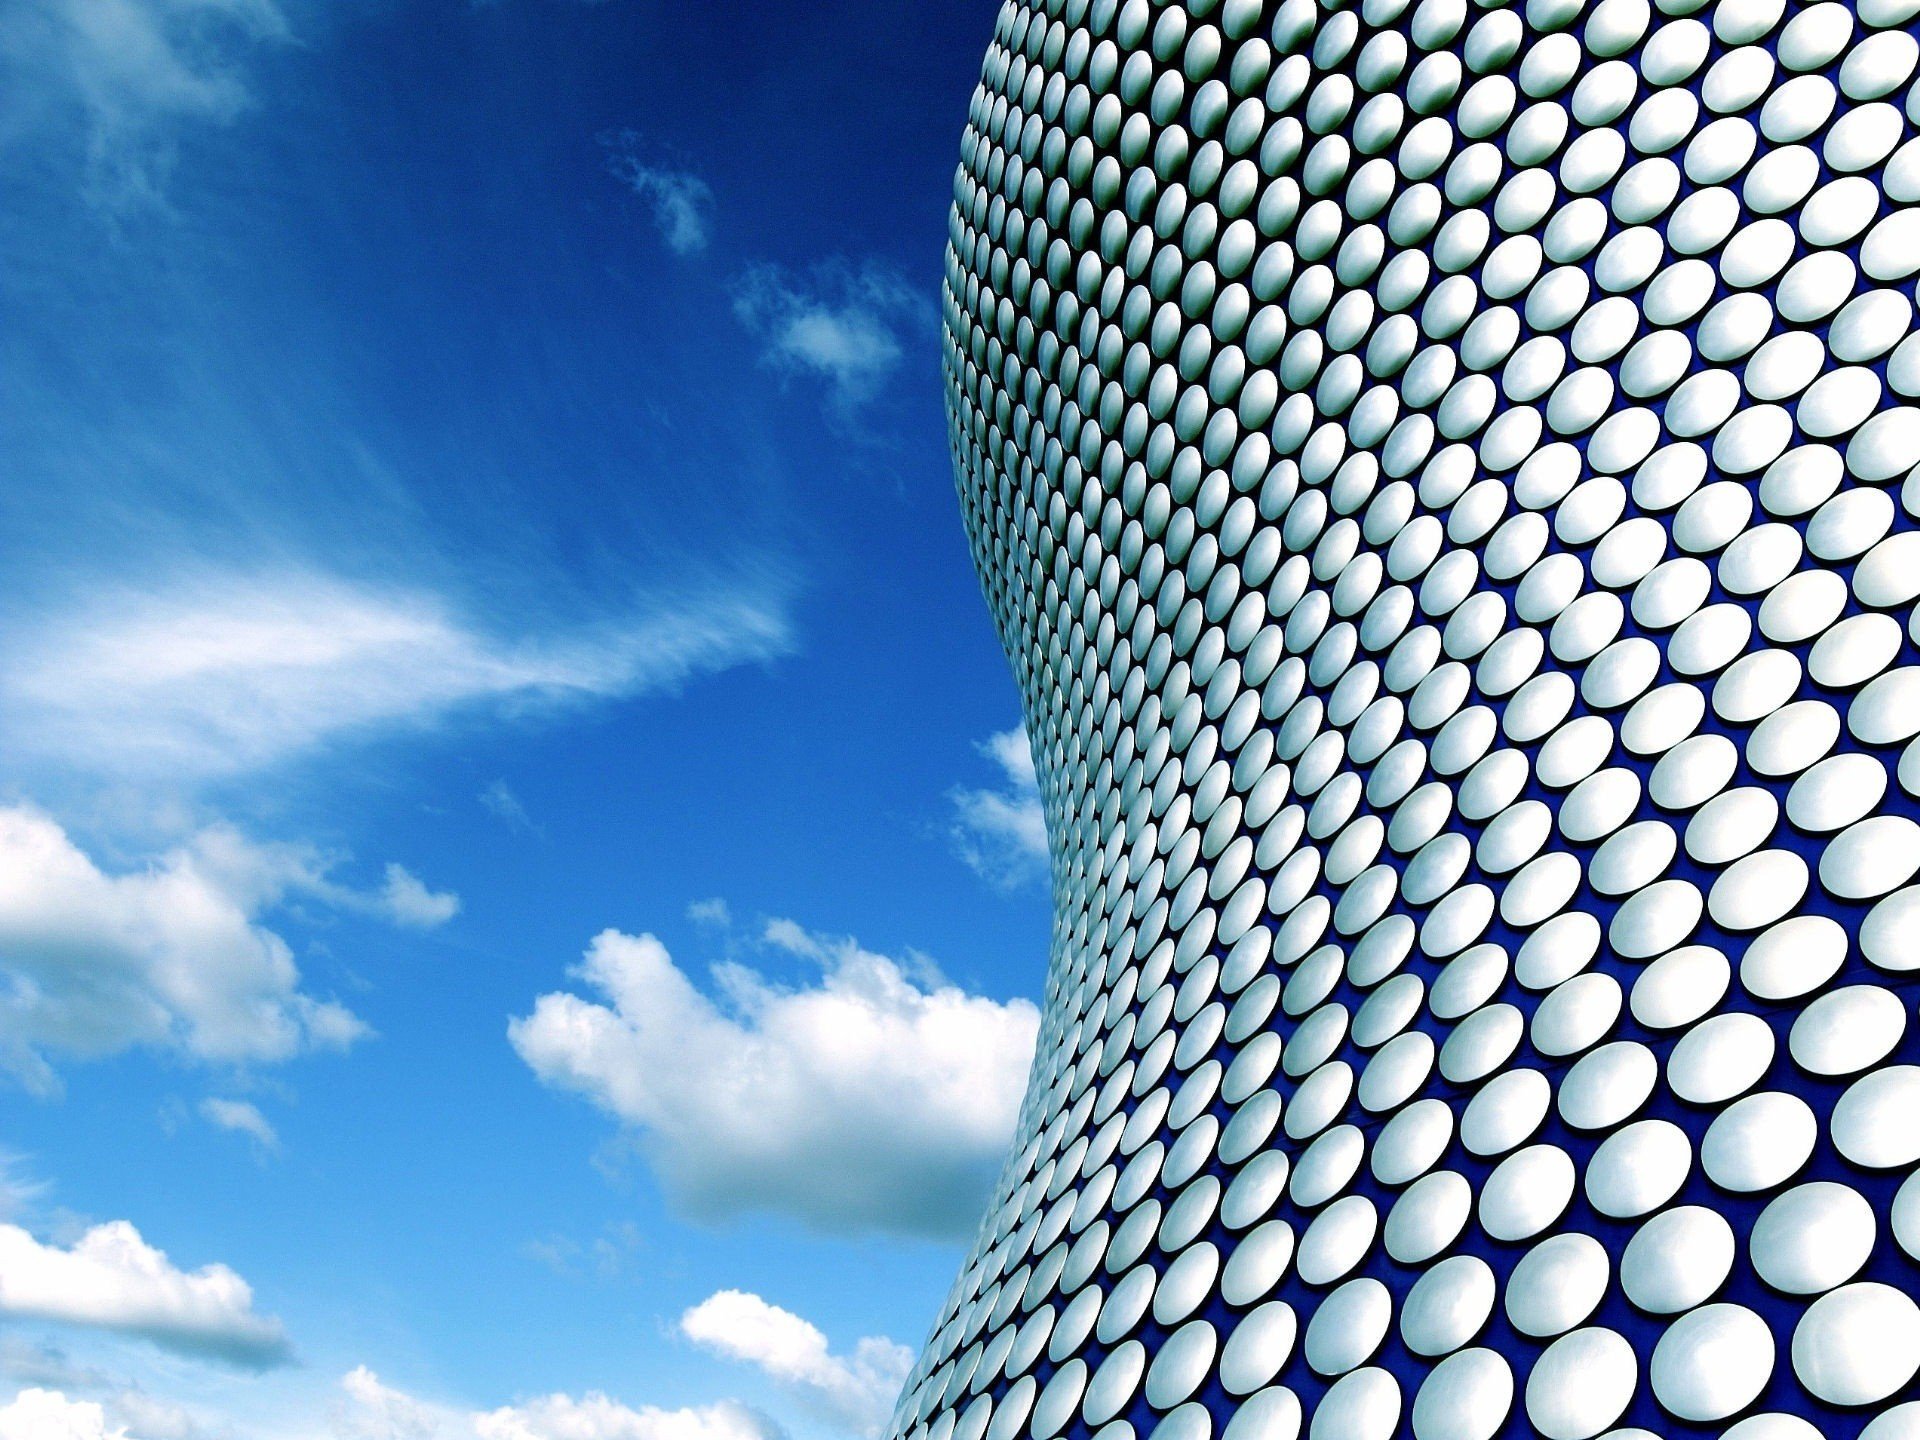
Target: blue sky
pixel 518 907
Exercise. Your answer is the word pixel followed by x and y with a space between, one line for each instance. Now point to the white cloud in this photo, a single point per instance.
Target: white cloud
pixel 596 1417
pixel 856 1392
pixel 406 901
pixel 232 673
pixel 173 954
pixel 841 324
pixel 169 956
pixel 867 1102
pixel 374 1410
pixel 678 198
pixel 136 72
pixel 362 1406
pixel 1010 751
pixel 712 911
pixel 1002 833
pixel 242 1118
pixel 35 1414
pixel 111 1279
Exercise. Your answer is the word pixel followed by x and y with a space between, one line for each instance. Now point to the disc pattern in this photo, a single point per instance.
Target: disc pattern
pixel 1445 479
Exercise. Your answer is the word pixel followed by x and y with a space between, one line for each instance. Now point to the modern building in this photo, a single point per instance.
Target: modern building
pixel 1444 476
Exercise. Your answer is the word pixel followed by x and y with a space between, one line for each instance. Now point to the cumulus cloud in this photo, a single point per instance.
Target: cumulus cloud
pixel 174 954
pixel 136 73
pixel 1001 833
pixel 678 198
pixel 242 1117
pixel 374 1410
pixel 112 1279
pixel 865 1102
pixel 854 1391
pixel 36 1414
pixel 170 956
pixel 841 324
pixel 230 673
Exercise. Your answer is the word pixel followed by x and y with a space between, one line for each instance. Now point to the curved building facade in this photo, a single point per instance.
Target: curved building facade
pixel 1444 476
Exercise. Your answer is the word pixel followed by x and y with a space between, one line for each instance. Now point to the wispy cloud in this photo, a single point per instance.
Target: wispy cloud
pixel 679 199
pixel 136 73
pixel 605 1255
pixel 865 1102
pixel 242 1117
pixel 147 1417
pixel 499 801
pixel 234 672
pixel 112 1279
pixel 32 1363
pixel 1001 833
pixel 842 324
pixel 258 874
pixel 852 1392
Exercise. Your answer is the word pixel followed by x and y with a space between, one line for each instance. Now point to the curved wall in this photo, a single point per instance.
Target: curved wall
pixel 1443 478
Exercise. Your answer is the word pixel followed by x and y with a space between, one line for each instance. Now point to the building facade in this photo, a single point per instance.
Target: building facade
pixel 1444 476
